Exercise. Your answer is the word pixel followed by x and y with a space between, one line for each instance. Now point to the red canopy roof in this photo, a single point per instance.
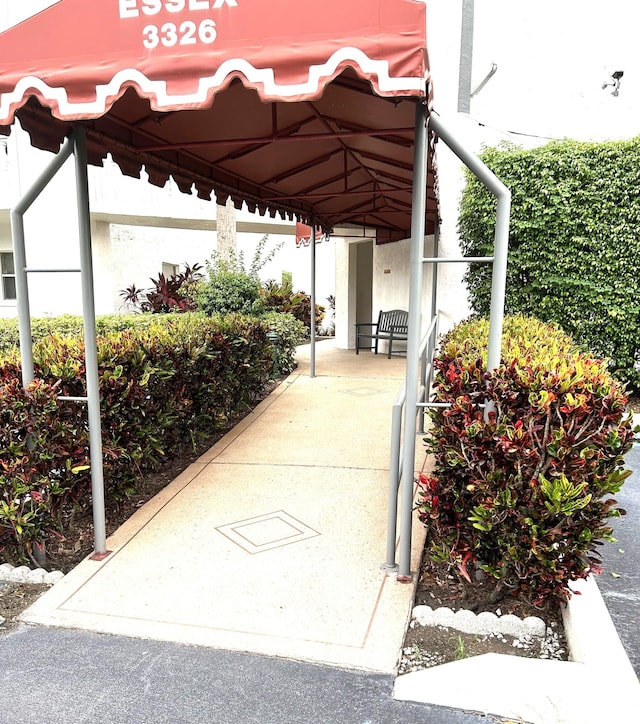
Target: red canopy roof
pixel 303 107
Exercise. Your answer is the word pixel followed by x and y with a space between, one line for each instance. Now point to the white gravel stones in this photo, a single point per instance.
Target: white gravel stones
pixel 36 575
pixel 24 574
pixel 482 623
pixel 19 574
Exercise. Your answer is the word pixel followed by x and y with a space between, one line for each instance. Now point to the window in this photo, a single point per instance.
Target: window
pixel 170 270
pixel 8 275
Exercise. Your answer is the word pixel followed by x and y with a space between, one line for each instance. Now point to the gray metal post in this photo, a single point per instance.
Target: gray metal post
pixel 394 481
pixel 466 57
pixel 427 353
pixel 419 198
pixel 90 345
pixel 499 279
pixel 501 241
pixel 20 257
pixel 434 305
pixel 313 297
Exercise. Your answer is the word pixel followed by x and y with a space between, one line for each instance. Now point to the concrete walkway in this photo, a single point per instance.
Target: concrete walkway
pixel 271 543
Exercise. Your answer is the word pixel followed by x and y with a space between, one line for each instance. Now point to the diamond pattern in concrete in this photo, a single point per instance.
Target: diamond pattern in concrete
pixel 266 532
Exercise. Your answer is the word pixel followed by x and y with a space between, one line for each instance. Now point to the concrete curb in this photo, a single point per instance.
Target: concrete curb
pixel 537 691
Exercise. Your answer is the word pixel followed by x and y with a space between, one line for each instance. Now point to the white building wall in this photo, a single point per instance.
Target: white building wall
pixel 129 251
pixel 391 276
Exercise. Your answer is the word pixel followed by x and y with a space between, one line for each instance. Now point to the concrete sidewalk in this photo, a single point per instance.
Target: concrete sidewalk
pixel 271 542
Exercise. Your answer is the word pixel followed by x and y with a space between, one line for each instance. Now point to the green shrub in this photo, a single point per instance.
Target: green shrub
pixel 234 286
pixel 161 385
pixel 229 291
pixel 524 495
pixel 282 298
pixel 574 243
pixel 289 332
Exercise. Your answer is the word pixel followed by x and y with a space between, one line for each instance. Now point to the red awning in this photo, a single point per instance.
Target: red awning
pixel 301 107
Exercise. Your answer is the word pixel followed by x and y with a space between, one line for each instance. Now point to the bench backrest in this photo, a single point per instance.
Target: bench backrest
pixel 393 318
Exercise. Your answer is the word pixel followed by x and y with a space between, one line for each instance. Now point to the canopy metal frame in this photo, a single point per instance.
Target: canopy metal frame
pixel 75 145
pixel 417 382
pixel 411 397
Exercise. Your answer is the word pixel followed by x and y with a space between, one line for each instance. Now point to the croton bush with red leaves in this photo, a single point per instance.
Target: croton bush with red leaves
pixel 162 386
pixel 524 495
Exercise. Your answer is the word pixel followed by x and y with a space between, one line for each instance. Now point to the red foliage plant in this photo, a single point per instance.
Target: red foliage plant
pixel 524 494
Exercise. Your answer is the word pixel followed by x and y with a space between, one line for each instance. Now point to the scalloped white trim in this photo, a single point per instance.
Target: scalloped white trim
pixel 263 77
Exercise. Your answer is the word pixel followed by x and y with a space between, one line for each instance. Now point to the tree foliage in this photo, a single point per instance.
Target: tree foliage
pixel 574 242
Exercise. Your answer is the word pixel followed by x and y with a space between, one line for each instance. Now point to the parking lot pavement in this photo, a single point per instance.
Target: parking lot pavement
pixel 619 582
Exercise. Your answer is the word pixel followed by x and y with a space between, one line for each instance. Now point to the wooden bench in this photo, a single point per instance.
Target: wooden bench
pixel 391 327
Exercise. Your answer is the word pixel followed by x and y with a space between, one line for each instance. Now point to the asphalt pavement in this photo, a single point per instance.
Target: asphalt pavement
pixel 62 676
pixel 619 582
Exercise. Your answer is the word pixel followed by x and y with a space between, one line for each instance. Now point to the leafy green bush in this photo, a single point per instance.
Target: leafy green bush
pixel 524 495
pixel 574 242
pixel 288 332
pixel 228 289
pixel 234 286
pixel 161 386
pixel 282 298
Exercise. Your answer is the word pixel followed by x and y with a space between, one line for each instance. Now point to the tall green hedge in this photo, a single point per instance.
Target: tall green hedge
pixel 574 242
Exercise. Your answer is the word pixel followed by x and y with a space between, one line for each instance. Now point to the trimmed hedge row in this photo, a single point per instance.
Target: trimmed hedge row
pixel 524 495
pixel 574 242
pixel 162 386
pixel 70 325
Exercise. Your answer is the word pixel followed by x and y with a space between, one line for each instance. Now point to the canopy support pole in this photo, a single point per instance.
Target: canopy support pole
pixel 76 144
pixel 498 287
pixel 313 297
pixel 90 344
pixel 17 232
pixel 418 210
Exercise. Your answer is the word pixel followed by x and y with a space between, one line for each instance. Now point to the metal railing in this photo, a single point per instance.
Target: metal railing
pixel 411 399
pixel 426 351
pixel 75 145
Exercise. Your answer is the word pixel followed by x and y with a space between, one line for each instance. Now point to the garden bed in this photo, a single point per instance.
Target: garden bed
pixel 435 643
